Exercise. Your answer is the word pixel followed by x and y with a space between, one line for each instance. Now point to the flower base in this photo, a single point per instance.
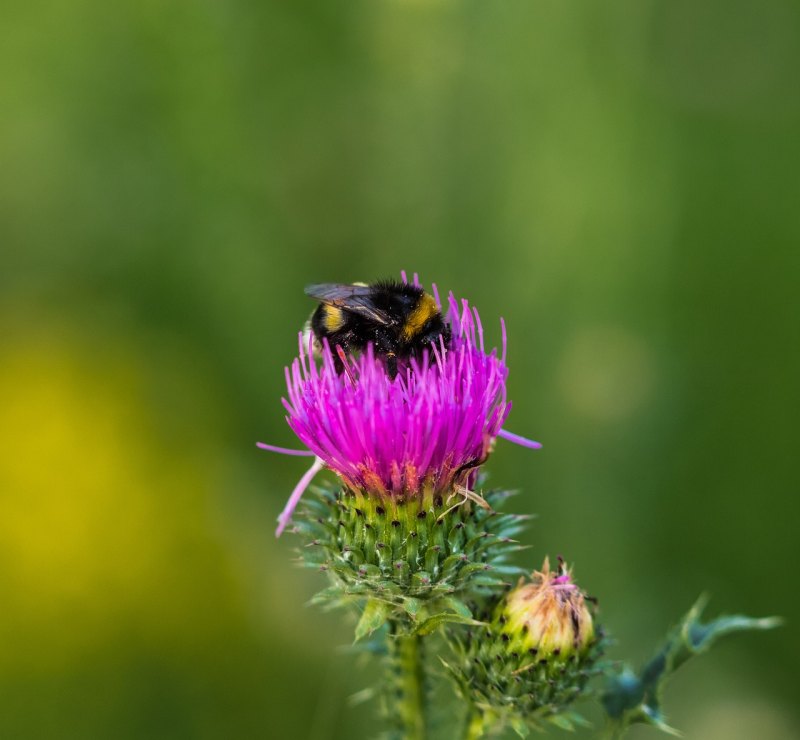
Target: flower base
pixel 418 547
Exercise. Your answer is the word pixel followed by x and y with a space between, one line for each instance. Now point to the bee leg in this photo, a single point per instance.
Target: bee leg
pixel 385 346
pixel 391 364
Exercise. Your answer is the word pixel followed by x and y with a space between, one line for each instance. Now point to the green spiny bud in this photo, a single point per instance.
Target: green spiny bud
pixel 535 656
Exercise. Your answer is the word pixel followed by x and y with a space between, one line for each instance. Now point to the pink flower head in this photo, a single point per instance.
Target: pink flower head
pixel 433 425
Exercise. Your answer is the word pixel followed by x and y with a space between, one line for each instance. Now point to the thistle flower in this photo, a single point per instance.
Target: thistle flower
pixel 405 524
pixel 429 429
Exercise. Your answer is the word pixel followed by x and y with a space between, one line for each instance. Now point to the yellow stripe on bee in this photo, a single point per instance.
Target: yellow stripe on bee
pixel 416 319
pixel 334 318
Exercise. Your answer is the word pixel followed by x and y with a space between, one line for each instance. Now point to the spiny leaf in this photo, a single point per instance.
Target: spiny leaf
pixel 375 613
pixel 567 720
pixel 458 606
pixel 411 606
pixel 431 624
pixel 326 595
pixel 577 719
pixel 630 698
pixel 363 696
pixel 520 726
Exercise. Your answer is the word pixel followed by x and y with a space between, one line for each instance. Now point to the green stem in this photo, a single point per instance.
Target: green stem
pixel 407 706
pixel 475 724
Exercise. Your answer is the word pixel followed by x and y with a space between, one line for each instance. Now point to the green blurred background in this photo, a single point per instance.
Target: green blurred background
pixel 618 180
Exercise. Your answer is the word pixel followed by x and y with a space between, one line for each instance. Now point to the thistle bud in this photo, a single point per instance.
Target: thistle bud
pixel 536 654
pixel 547 617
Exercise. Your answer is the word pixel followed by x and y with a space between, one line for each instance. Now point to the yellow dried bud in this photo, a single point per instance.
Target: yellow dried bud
pixel 547 616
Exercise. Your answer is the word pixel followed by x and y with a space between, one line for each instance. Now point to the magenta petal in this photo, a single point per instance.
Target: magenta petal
pixel 294 499
pixel 517 440
pixel 437 418
pixel 284 450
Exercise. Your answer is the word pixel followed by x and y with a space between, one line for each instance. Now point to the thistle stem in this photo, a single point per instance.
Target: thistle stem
pixel 475 725
pixel 407 706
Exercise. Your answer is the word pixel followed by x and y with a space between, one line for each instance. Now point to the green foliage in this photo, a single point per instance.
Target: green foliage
pixel 410 568
pixel 506 689
pixel 632 698
pixel 414 567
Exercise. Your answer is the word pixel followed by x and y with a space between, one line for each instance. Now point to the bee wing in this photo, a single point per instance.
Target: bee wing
pixel 354 298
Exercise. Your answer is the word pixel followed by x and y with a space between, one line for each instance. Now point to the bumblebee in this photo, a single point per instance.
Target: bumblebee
pixel 399 319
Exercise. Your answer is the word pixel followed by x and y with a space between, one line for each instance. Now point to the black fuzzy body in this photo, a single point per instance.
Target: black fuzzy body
pixel 398 319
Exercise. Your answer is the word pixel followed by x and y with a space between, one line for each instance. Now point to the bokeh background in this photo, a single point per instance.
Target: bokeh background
pixel 618 180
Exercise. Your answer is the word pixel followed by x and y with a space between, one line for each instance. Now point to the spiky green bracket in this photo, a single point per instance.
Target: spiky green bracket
pixel 631 698
pixel 525 703
pixel 414 561
pixel 526 693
